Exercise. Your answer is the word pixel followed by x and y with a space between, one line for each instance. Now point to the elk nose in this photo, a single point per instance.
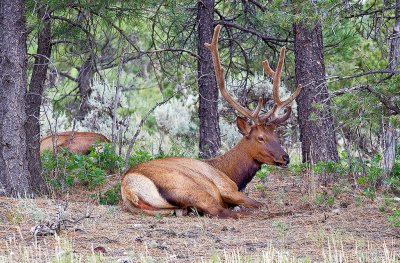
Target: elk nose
pixel 286 159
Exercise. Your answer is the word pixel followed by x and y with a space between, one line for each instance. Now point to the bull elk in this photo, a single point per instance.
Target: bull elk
pixel 77 142
pixel 174 184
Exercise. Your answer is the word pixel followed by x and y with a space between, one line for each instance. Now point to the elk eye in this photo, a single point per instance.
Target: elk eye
pixel 260 139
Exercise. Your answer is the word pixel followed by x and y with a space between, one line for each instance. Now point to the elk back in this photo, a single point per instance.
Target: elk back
pixel 77 142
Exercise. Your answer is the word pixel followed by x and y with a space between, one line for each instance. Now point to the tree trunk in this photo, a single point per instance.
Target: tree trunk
pixel 395 41
pixel 389 151
pixel 210 141
pixel 14 174
pixel 85 78
pixel 34 101
pixel 317 133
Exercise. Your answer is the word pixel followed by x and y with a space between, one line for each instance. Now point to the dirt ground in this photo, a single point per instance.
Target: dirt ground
pixel 352 230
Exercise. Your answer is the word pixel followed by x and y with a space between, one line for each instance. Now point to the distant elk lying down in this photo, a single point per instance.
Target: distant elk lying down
pixel 174 184
pixel 77 142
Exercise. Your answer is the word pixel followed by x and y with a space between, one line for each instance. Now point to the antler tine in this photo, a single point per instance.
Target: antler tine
pixel 219 74
pixel 268 69
pixel 277 76
pixel 292 97
pixel 258 108
pixel 264 118
pixel 272 114
pixel 284 117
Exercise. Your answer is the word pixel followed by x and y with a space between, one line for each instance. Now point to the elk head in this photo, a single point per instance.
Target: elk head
pixel 260 140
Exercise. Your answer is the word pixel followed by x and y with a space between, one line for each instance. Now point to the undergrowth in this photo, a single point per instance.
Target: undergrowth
pixel 361 178
pixel 64 170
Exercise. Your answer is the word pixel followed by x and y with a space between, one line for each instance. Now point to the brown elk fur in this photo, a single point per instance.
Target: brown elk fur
pixel 175 184
pixel 211 186
pixel 77 142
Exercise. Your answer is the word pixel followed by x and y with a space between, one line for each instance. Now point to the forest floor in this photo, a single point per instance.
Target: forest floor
pixel 293 230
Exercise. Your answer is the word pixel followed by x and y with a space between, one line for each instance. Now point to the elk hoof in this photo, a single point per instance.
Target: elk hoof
pixel 257 204
pixel 181 212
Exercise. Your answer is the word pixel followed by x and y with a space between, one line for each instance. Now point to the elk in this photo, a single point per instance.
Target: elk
pixel 77 142
pixel 174 184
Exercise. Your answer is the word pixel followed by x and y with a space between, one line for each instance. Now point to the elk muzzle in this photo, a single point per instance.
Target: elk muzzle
pixel 283 161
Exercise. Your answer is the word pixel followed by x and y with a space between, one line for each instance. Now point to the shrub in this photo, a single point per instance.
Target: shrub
pixel 324 199
pixel 65 168
pixel 140 156
pixel 394 218
pixel 105 157
pixel 112 196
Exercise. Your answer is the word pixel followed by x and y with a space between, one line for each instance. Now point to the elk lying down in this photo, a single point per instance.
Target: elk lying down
pixel 77 142
pixel 174 184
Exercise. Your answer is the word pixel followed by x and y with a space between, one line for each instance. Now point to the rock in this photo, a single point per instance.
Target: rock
pixel 124 260
pixel 336 211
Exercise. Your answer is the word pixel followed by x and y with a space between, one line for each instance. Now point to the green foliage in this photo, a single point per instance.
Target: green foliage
pixel 330 167
pixel 112 196
pixel 394 218
pixel 369 193
pixel 105 157
pixel 387 204
pixel 66 168
pixel 298 169
pixel 324 199
pixel 342 187
pixel 372 171
pixel 140 156
pixel 394 179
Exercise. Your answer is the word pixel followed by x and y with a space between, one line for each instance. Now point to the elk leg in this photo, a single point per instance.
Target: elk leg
pixel 239 198
pixel 201 200
pixel 216 210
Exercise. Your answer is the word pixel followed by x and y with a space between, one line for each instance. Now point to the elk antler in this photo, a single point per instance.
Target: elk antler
pixel 279 104
pixel 271 115
pixel 219 74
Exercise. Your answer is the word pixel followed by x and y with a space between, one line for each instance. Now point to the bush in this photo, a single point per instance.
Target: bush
pixel 394 218
pixel 106 158
pixel 112 196
pixel 140 156
pixel 66 168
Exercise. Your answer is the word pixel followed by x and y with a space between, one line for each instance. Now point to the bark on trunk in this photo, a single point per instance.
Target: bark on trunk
pixel 14 174
pixel 34 101
pixel 85 78
pixel 210 141
pixel 317 133
pixel 395 41
pixel 389 153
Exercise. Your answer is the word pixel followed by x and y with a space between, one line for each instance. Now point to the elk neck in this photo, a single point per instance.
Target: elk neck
pixel 237 164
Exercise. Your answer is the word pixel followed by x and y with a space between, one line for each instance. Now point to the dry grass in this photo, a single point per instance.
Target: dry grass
pixel 357 233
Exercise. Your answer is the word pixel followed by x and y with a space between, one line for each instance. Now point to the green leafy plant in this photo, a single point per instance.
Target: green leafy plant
pixel 387 204
pixel 394 218
pixel 65 168
pixel 342 187
pixel 105 157
pixel 140 156
pixel 112 196
pixel 324 199
pixel 369 193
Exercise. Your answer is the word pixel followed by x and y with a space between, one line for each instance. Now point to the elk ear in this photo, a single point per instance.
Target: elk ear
pixel 244 127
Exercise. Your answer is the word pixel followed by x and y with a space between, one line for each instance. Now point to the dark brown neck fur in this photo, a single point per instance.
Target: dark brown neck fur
pixel 237 164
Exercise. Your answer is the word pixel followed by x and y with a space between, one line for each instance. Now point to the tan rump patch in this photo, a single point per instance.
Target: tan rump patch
pixel 146 191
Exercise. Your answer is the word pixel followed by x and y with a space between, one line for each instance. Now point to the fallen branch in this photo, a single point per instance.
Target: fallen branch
pixel 58 223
